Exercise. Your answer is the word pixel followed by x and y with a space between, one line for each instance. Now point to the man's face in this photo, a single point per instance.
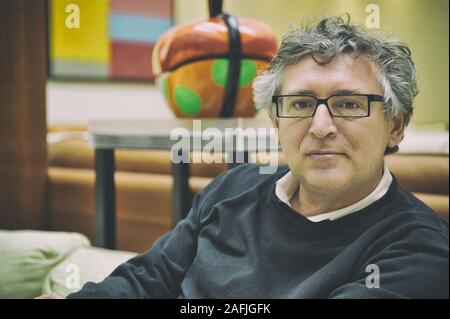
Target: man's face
pixel 354 148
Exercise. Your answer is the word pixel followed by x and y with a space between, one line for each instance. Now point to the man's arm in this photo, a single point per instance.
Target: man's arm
pixel 157 273
pixel 415 267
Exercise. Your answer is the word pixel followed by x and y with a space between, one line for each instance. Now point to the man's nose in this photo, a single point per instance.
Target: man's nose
pixel 322 124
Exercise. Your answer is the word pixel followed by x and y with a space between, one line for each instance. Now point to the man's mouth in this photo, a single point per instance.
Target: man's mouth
pixel 324 153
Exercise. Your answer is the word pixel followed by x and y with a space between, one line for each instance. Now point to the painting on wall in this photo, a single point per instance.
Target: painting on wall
pixel 105 39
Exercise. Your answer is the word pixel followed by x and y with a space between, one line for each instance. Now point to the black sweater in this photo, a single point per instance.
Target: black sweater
pixel 240 241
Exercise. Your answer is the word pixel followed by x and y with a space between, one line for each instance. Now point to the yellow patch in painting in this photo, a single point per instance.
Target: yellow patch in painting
pixel 90 41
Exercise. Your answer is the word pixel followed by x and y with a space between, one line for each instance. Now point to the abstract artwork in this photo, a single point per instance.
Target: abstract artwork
pixel 105 39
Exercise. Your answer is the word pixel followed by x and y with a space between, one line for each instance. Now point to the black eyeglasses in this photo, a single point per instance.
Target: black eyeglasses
pixel 339 105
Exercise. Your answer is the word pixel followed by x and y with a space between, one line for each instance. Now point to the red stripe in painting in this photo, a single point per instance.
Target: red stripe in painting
pixel 158 8
pixel 131 60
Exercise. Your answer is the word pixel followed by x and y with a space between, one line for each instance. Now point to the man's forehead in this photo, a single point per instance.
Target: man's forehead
pixel 344 73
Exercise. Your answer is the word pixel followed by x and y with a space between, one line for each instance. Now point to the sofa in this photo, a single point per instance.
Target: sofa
pixel 144 186
pixel 34 262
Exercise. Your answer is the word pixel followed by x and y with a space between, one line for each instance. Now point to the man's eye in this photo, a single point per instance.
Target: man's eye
pixel 302 104
pixel 350 105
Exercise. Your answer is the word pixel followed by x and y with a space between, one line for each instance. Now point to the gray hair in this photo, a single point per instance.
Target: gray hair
pixel 332 36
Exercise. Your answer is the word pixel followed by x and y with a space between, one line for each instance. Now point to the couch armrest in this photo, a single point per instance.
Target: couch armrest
pixel 86 264
pixel 27 256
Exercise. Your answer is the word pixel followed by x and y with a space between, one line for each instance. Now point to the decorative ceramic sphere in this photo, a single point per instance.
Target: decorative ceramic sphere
pixel 191 63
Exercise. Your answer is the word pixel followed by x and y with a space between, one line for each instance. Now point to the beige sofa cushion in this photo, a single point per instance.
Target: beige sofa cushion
pixel 84 265
pixel 72 150
pixel 27 256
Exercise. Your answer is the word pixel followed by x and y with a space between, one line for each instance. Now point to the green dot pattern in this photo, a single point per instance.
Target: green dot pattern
pixel 187 100
pixel 219 72
pixel 248 72
pixel 164 88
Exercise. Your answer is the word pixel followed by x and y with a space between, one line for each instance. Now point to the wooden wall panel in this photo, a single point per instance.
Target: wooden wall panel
pixel 23 153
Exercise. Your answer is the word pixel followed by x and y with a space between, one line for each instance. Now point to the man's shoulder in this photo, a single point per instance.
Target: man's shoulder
pixel 245 175
pixel 256 171
pixel 241 179
pixel 415 243
pixel 412 211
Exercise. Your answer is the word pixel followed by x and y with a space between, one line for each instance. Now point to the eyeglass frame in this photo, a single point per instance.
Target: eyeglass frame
pixel 370 98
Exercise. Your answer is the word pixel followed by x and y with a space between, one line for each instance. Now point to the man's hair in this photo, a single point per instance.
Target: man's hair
pixel 331 36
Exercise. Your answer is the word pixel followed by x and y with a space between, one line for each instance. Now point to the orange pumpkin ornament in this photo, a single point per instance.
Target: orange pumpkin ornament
pixel 206 67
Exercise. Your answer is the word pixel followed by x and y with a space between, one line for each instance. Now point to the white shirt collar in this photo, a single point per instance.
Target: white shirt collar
pixel 287 186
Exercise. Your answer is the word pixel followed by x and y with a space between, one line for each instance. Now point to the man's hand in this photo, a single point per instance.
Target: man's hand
pixel 51 295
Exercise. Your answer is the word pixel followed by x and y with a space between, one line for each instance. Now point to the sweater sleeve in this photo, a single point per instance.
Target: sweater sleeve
pixel 414 267
pixel 157 273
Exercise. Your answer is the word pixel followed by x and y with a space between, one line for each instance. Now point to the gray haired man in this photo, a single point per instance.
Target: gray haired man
pixel 333 223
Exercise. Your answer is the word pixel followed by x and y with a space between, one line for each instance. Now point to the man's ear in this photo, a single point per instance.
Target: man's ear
pixel 274 120
pixel 396 130
pixel 273 117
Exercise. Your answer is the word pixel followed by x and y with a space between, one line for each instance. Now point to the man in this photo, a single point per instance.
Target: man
pixel 334 223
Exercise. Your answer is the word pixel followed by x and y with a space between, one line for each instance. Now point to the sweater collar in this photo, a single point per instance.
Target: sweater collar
pixel 287 186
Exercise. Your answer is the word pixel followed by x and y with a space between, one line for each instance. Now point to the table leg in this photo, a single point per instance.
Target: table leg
pixel 181 192
pixel 105 199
